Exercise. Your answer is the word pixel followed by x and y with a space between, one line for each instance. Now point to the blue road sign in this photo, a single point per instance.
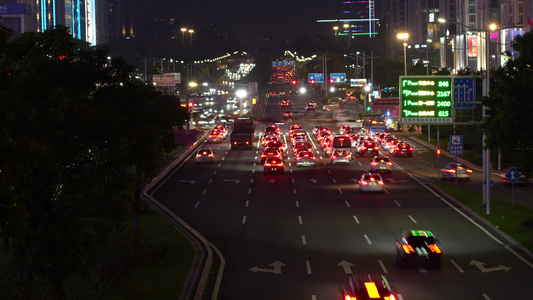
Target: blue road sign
pixel 315 77
pixel 456 144
pixel 338 77
pixel 513 175
pixel 464 90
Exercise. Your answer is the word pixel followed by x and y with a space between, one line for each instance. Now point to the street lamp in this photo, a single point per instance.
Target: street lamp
pixel 183 30
pixel 335 28
pixel 367 89
pixel 404 36
pixel 349 35
pixel 191 31
pixel 241 94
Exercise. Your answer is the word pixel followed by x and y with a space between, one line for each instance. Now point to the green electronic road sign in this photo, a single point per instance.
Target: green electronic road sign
pixel 426 99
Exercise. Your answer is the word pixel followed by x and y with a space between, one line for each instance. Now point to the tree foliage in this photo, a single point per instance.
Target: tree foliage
pixel 509 108
pixel 74 122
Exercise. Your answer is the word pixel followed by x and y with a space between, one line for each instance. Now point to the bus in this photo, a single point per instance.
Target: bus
pixel 374 125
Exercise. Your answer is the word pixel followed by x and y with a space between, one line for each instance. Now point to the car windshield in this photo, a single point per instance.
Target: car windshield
pixel 418 241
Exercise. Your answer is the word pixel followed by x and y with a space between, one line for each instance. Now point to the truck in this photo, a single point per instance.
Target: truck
pixel 242 136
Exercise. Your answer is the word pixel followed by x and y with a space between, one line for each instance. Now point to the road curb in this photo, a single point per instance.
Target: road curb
pixel 482 220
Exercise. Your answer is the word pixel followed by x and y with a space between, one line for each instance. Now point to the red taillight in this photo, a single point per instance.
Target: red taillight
pixel 247 142
pixel 410 148
pixel 408 249
pixel 391 297
pixel 389 163
pixel 333 157
pixel 364 182
pixel 374 163
pixel 376 148
pixel 234 143
pixel 434 248
pixel 451 171
pixel 380 182
pixel 468 171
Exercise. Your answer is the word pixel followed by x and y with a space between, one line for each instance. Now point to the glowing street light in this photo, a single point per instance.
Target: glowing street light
pixel 404 36
pixel 241 94
pixel 183 30
pixel 191 31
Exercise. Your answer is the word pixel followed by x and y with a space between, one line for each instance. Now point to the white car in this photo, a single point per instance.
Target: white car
pixel 305 158
pixel 371 182
pixel 381 164
pixel 205 155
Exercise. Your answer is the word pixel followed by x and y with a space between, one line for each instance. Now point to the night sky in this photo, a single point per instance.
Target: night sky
pixel 249 20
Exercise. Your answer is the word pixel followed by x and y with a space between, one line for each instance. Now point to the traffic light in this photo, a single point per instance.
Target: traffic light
pixel 368 108
pixel 332 80
pixel 312 81
pixel 190 104
pixel 438 152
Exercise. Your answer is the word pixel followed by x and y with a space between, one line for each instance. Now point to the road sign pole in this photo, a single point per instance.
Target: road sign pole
pixel 512 193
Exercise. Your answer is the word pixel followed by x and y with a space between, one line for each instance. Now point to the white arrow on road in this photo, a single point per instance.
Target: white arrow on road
pixel 394 180
pixel 234 180
pixel 482 268
pixel 276 268
pixel 188 181
pixel 313 180
pixel 346 266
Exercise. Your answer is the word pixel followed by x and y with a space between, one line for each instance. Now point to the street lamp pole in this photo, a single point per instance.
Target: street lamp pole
pixel 404 36
pixel 191 31
pixel 335 28
pixel 183 30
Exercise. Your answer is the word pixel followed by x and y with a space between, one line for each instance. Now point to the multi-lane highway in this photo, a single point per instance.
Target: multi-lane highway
pixel 299 235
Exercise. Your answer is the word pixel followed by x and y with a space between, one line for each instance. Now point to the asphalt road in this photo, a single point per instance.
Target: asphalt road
pixel 298 235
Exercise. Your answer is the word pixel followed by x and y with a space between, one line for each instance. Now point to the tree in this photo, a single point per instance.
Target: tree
pixel 74 124
pixel 507 123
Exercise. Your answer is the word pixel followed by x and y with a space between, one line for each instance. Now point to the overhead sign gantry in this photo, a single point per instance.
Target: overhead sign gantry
pixel 426 100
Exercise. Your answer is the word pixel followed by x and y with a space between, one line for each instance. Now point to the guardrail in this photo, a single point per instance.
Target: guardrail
pixel 194 287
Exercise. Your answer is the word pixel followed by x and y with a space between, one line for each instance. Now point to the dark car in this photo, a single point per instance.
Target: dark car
pixel 273 165
pixel 367 287
pixel 401 149
pixel 418 247
pixel 368 147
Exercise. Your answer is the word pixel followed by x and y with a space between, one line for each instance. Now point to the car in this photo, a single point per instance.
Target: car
pixel 285 102
pixel 294 127
pixel 277 145
pixel 222 129
pixel 367 147
pixel 272 128
pixel 214 136
pixel 273 165
pixel 401 149
pixel 305 159
pixel 385 143
pixel 340 157
pixel 269 138
pixel 205 155
pixel 310 107
pixel 418 247
pixel 523 179
pixel 371 182
pixel 302 146
pixel 455 170
pixel 381 164
pixel 367 287
pixel 270 152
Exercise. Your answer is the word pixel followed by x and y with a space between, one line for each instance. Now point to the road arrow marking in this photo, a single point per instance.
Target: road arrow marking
pixel 187 181
pixel 234 180
pixel 313 180
pixel 394 180
pixel 276 268
pixel 482 268
pixel 346 266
